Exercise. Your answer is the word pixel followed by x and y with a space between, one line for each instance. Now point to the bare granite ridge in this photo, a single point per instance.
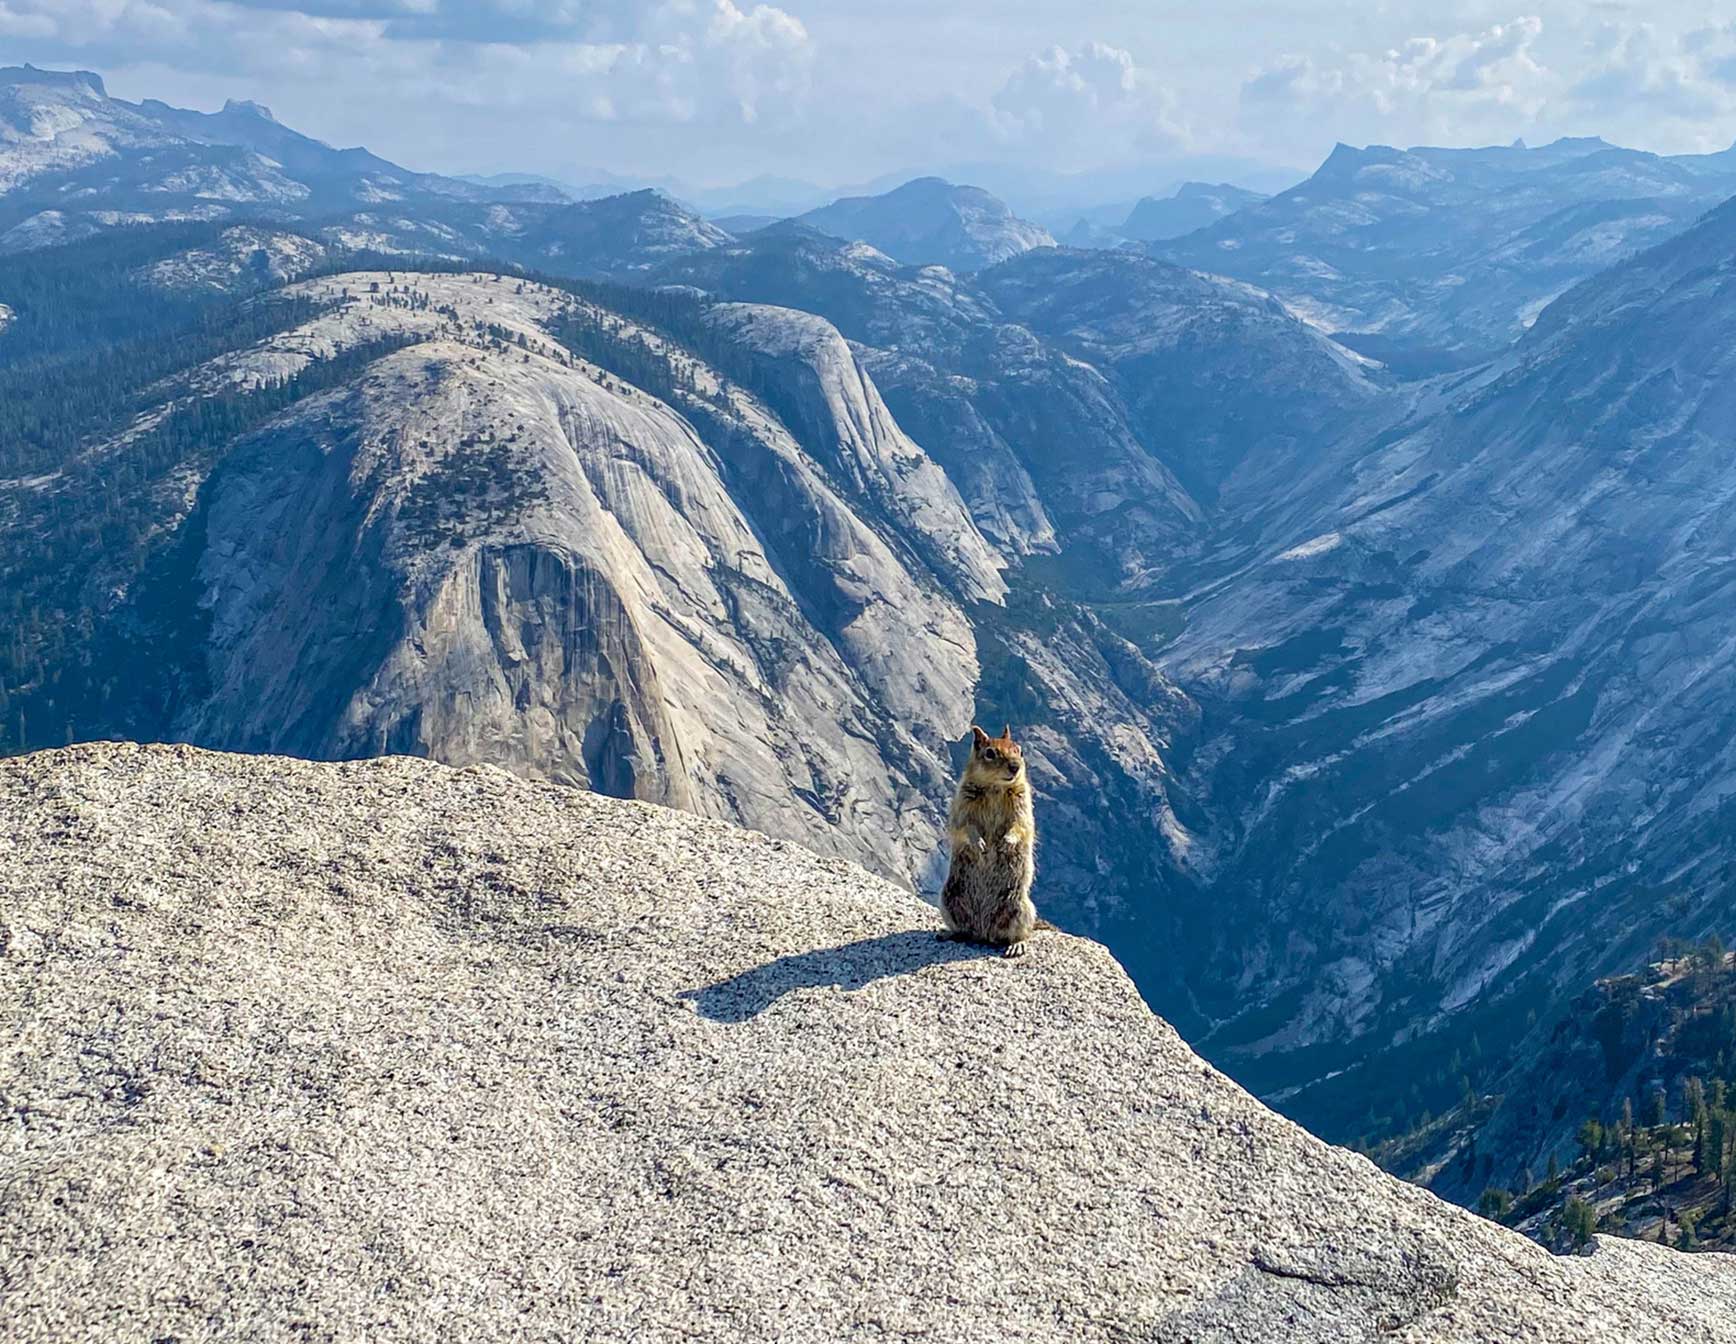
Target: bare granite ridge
pixel 393 1051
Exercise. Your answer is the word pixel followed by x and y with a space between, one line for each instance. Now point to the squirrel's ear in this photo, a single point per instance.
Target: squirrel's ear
pixel 977 736
pixel 1007 733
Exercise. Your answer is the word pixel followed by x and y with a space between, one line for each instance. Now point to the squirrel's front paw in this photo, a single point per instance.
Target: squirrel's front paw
pixel 1012 840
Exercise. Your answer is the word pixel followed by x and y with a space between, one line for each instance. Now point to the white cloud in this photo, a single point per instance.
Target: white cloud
pixel 1688 79
pixel 1458 88
pixel 1091 103
pixel 1639 83
pixel 766 54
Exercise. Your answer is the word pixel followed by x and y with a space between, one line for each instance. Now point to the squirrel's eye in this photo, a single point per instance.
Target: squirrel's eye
pixel 991 755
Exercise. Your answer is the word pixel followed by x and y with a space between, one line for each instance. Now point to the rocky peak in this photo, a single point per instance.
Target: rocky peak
pixel 1193 205
pixel 246 107
pixel 86 82
pixel 1345 160
pixel 392 1048
pixel 932 221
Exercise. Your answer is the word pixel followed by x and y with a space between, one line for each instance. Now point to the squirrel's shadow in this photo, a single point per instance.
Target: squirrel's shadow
pixel 849 966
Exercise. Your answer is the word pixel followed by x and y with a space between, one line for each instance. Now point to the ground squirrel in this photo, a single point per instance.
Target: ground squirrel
pixel 987 897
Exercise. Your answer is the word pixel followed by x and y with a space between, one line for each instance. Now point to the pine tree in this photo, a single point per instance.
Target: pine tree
pixel 1578 1222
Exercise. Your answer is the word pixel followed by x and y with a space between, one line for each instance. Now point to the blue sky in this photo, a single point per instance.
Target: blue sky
pixel 716 91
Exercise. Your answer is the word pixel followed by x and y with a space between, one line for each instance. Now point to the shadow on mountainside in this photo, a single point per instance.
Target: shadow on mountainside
pixel 850 966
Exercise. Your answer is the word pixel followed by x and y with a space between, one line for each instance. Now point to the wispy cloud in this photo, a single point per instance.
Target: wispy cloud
pixel 1093 103
pixel 1453 87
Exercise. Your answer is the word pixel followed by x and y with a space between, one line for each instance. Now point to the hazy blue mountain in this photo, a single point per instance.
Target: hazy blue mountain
pixel 778 197
pixel 495 181
pixel 1193 206
pixel 1439 257
pixel 1042 193
pixel 1096 226
pixel 740 224
pixel 930 221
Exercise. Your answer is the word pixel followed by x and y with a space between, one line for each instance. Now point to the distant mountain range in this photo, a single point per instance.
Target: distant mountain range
pixel 1436 258
pixel 74 161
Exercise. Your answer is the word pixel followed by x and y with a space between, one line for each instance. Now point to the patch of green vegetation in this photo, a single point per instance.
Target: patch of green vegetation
pixel 483 481
pixel 72 668
pixel 1078 573
pixel 88 343
pixel 1151 626
pixel 1660 1172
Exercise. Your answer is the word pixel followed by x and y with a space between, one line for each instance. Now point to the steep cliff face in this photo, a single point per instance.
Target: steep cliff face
pixel 1471 717
pixel 394 1049
pixel 1097 403
pixel 781 661
pixel 480 548
pixel 1234 394
pixel 811 373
